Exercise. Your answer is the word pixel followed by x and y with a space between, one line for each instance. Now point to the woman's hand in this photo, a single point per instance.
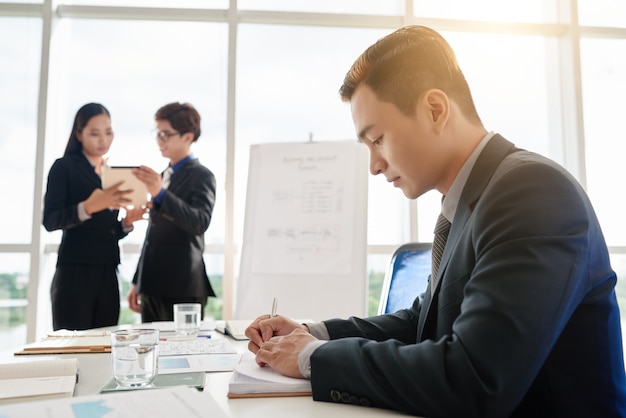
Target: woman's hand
pixel 134 214
pixel 109 198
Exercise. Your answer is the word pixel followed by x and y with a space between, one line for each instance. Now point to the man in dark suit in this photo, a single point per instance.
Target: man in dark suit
pixel 520 318
pixel 171 268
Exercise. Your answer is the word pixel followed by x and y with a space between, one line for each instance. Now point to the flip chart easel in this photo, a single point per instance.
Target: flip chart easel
pixel 305 231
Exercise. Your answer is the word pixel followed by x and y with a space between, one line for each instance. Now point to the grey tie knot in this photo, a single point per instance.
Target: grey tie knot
pixel 167 174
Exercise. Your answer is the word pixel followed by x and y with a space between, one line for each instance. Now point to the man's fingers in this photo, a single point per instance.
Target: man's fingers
pixel 267 331
pixel 263 357
pixel 253 347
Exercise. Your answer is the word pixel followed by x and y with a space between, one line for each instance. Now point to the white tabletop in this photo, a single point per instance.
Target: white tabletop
pixel 95 372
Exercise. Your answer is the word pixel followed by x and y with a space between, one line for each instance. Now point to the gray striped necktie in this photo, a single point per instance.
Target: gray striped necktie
pixel 442 228
pixel 167 174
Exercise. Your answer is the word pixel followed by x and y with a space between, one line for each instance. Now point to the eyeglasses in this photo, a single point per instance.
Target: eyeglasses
pixel 165 136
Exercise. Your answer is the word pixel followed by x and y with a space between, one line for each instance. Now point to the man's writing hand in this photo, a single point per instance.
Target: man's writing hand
pixel 264 328
pixel 281 353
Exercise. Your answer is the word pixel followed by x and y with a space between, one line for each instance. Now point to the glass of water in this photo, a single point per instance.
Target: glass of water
pixel 187 318
pixel 135 353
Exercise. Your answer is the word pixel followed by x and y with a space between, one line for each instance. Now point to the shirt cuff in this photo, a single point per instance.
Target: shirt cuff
pixel 159 198
pixel 318 330
pixel 82 213
pixel 304 357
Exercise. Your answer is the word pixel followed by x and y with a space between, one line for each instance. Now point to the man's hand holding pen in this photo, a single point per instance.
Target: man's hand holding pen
pixel 277 341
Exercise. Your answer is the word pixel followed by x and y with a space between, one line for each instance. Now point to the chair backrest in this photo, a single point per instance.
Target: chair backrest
pixel 406 277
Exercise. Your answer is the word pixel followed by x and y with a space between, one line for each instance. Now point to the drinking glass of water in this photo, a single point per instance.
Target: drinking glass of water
pixel 187 318
pixel 134 353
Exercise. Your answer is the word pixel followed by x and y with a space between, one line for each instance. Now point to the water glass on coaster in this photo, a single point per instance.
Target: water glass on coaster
pixel 187 318
pixel 134 353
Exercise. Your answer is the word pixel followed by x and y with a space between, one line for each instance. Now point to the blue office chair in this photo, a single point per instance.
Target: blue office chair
pixel 406 277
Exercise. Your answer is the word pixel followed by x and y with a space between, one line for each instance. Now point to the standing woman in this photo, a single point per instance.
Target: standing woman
pixel 84 289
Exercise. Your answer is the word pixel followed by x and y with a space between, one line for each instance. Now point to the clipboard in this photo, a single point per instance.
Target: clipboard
pixel 114 174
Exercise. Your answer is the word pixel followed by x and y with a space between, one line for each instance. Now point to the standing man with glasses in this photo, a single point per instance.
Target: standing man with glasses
pixel 171 268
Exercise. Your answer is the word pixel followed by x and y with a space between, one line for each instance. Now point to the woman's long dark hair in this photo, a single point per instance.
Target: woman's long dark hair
pixel 81 119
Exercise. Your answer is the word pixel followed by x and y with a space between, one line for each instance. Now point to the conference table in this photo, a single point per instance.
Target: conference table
pixel 95 372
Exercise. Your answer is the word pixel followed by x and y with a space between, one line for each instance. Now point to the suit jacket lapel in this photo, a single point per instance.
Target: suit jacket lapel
pixel 486 164
pixel 489 159
pixel 180 172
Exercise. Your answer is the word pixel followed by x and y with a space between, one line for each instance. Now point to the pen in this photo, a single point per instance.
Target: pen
pixel 274 304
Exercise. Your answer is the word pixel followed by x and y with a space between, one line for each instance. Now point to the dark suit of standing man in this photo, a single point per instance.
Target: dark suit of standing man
pixel 521 318
pixel 171 268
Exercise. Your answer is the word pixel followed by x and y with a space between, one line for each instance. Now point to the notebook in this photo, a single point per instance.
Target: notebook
pixel 35 380
pixel 236 328
pixel 249 380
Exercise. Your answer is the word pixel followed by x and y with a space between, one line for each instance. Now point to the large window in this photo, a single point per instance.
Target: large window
pixel 535 11
pixel 602 13
pixel 370 7
pixel 288 83
pixel 509 76
pixel 547 75
pixel 604 89
pixel 14 273
pixel 133 68
pixel 20 49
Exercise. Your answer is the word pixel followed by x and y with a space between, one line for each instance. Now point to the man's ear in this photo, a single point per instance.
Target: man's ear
pixel 188 137
pixel 438 107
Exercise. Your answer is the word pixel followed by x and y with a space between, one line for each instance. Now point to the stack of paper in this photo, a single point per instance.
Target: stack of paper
pixel 64 341
pixel 43 379
pixel 251 380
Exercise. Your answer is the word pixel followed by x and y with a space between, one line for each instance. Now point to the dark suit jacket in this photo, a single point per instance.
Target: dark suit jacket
pixel 70 181
pixel 171 263
pixel 523 320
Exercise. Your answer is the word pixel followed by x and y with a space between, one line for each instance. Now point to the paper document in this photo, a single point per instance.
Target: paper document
pixel 198 363
pixel 195 345
pixel 180 401
pixel 67 333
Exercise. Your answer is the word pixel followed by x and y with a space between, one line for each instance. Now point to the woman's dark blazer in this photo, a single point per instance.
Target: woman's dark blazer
pixel 71 180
